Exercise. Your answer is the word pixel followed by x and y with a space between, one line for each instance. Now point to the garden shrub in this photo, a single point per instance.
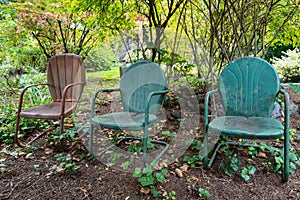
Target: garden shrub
pixel 288 67
pixel 8 77
pixel 100 58
pixel 277 50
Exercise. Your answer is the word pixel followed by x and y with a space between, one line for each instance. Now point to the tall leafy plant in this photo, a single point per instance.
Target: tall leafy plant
pixel 222 30
pixel 57 26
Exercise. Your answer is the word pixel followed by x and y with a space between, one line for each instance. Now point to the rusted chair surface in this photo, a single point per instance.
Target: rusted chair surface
pixel 65 81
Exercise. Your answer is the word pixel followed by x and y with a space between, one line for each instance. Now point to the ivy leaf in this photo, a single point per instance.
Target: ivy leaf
pixel 278 160
pixel 137 172
pixel 146 180
pixel 245 175
pixel 147 170
pixel 251 169
pixel 164 171
pixel 234 167
pixel 159 177
pixel 292 166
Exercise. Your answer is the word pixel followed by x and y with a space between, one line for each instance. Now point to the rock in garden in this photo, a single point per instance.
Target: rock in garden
pixel 29 156
pixel 277 112
pixel 178 173
pixel 293 109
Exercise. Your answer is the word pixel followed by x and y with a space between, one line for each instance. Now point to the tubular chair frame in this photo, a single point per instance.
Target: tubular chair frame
pixel 144 127
pixel 235 133
pixel 58 103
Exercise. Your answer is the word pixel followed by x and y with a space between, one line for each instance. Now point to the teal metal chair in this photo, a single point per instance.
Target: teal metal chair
pixel 248 88
pixel 142 88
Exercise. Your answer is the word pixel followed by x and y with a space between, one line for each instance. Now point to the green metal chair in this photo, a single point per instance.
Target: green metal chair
pixel 248 88
pixel 142 88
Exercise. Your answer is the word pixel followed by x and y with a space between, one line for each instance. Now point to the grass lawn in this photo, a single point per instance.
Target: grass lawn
pixel 112 74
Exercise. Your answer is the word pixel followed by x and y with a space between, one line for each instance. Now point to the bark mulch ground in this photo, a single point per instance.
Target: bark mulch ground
pixel 28 174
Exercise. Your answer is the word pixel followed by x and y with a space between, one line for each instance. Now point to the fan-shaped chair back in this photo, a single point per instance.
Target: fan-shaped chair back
pixel 138 82
pixel 248 87
pixel 62 70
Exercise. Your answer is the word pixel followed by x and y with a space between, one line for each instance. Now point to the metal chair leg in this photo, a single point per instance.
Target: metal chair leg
pixel 16 139
pixel 205 157
pixel 285 172
pixel 91 138
pixel 61 125
pixel 145 143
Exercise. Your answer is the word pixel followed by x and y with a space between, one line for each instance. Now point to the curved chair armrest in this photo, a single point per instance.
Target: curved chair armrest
pixel 95 97
pixel 65 93
pixel 23 92
pixel 286 99
pixel 207 98
pixel 161 92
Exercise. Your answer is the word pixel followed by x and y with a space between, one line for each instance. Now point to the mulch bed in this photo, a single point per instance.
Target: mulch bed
pixel 29 176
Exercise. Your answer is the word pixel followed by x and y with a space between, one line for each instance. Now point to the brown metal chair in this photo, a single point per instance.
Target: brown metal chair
pixel 65 81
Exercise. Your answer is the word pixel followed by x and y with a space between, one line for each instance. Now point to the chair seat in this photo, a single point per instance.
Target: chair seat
pixel 48 111
pixel 250 128
pixel 123 120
